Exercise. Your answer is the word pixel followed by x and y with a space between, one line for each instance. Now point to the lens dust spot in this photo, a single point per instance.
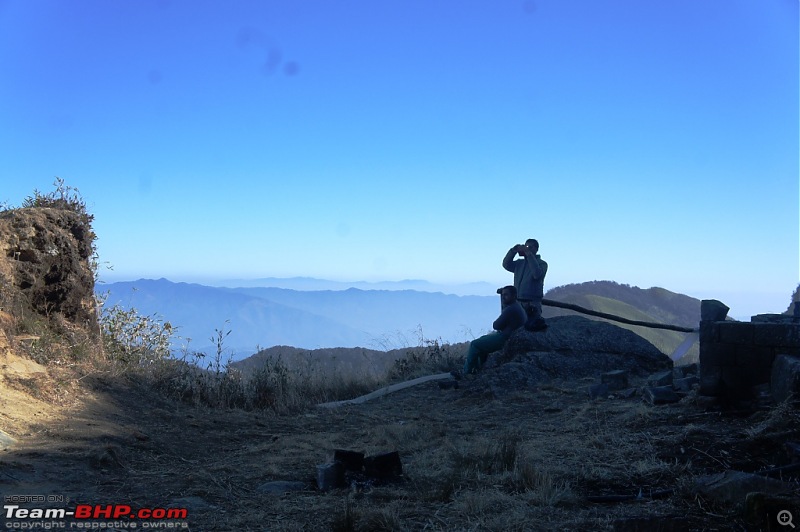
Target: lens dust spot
pixel 291 68
pixel 272 62
pixel 249 38
pixel 529 7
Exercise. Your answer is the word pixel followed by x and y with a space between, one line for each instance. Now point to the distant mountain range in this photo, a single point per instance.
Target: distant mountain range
pixel 311 284
pixel 259 317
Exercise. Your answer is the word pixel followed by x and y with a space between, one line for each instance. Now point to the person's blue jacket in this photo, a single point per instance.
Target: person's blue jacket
pixel 512 318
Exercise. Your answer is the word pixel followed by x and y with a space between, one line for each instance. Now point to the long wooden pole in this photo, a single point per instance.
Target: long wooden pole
pixel 582 310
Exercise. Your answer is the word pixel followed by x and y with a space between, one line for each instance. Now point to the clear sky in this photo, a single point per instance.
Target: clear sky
pixel 648 143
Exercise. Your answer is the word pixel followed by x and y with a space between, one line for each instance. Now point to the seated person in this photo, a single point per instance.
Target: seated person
pixel 511 318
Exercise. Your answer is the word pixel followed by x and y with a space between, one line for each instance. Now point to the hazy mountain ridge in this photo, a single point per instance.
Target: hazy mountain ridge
pixel 198 310
pixel 383 312
pixel 658 304
pixel 371 319
pixel 310 284
pixel 264 317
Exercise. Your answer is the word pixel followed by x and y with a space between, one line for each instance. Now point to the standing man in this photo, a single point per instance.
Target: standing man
pixel 529 272
pixel 511 318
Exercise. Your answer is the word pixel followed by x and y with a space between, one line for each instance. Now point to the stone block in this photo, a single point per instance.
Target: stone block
pixel 706 402
pixel 762 394
pixel 752 356
pixel 761 374
pixel 616 380
pixel 351 460
pixel 710 379
pixel 793 351
pixel 776 335
pixel 785 378
pixel 330 476
pixel 738 384
pixel 626 393
pixel 663 378
pixel 659 395
pixel 715 354
pixel 709 332
pixel 713 310
pixel 679 372
pixel 756 363
pixel 384 465
pixel 685 384
pixel 771 318
pixel 598 391
pixel 733 332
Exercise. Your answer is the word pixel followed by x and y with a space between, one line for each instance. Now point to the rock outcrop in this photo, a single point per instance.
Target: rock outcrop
pixel 45 264
pixel 572 347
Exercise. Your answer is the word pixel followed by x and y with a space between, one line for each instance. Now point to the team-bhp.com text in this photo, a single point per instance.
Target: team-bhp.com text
pixel 87 516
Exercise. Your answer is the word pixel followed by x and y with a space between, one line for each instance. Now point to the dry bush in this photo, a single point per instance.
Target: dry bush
pixel 139 345
pixel 542 486
pixel 431 356
pixel 484 455
pixel 273 385
pixel 783 417
pixel 384 518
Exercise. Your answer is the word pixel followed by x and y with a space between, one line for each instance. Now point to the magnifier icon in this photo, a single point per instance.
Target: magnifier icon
pixel 785 518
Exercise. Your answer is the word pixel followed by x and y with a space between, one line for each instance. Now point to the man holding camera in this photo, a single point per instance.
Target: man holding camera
pixel 529 272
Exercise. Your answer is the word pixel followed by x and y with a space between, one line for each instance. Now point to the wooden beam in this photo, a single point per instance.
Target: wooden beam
pixel 582 310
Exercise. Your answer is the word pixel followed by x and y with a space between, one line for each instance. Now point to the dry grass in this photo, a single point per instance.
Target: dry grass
pixel 470 462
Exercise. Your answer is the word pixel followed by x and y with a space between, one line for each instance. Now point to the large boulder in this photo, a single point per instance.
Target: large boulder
pixel 572 347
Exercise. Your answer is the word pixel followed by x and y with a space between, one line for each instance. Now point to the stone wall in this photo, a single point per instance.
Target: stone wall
pixel 736 357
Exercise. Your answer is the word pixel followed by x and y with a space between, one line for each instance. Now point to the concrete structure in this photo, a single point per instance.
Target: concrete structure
pixel 735 357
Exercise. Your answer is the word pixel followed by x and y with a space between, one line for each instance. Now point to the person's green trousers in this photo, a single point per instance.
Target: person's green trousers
pixel 480 348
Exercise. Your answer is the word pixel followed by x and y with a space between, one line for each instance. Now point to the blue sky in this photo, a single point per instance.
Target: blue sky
pixel 649 143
